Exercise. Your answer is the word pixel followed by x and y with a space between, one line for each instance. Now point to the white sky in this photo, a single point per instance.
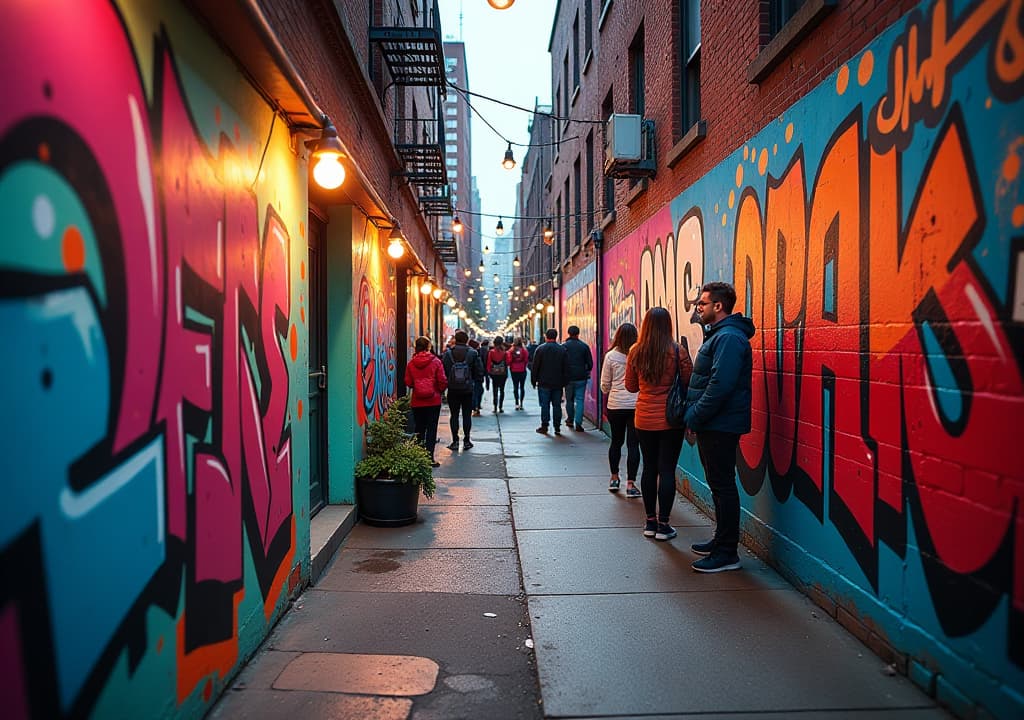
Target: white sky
pixel 507 58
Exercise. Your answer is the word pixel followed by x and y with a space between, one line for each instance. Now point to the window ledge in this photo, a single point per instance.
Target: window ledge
pixel 806 19
pixel 547 183
pixel 608 219
pixel 575 97
pixel 604 14
pixel 586 61
pixel 636 191
pixel 693 136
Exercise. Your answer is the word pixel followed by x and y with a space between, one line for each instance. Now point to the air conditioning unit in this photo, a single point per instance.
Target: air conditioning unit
pixel 629 147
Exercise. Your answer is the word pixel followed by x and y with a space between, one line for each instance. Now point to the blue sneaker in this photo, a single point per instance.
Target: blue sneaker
pixel 665 532
pixel 650 527
pixel 716 562
pixel 632 491
pixel 704 548
pixel 613 484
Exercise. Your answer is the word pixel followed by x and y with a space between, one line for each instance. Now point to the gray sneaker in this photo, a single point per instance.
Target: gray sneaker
pixel 716 562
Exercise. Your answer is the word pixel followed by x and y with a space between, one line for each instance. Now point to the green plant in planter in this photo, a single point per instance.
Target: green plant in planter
pixel 392 453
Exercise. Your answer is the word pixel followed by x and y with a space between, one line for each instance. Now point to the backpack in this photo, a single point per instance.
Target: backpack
pixel 499 368
pixel 460 378
pixel 423 388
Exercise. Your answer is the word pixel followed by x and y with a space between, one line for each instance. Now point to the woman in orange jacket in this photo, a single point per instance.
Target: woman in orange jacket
pixel 650 369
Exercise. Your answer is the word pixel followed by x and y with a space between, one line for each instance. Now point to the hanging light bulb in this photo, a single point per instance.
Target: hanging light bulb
pixel 481 268
pixel 496 278
pixel 487 250
pixel 467 272
pixel 436 294
pixel 451 302
pixel 426 287
pixel 456 224
pixel 462 314
pixel 515 261
pixel 500 4
pixel 533 287
pixel 540 306
pixel 549 234
pixel 499 229
pixel 328 171
pixel 396 242
pixel 509 162
pixel 551 309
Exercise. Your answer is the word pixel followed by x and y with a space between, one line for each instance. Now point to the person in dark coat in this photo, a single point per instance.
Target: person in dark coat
pixel 579 361
pixel 718 411
pixel 548 376
pixel 461 391
pixel 424 376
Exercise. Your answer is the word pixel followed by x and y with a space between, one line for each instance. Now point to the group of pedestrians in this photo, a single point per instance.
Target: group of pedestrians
pixel 638 372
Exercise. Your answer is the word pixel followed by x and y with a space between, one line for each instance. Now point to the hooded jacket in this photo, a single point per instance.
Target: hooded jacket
pixel 426 368
pixel 719 394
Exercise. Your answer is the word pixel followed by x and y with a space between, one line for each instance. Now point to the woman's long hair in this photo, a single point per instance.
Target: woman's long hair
pixel 654 343
pixel 625 337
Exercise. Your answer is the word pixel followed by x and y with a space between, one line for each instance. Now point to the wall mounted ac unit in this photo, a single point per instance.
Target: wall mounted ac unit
pixel 629 147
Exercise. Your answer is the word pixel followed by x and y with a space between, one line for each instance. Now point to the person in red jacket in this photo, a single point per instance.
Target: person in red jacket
pixel 518 361
pixel 424 375
pixel 497 370
pixel 650 369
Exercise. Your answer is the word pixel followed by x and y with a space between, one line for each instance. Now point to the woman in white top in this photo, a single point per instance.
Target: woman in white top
pixel 621 403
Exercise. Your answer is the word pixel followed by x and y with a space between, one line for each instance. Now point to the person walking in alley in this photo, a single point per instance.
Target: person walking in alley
pixel 547 374
pixel 425 376
pixel 620 410
pixel 650 369
pixel 718 411
pixel 478 384
pixel 579 361
pixel 518 361
pixel 462 368
pixel 497 371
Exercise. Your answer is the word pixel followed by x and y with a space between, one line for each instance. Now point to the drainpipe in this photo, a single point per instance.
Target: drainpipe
pixel 598 237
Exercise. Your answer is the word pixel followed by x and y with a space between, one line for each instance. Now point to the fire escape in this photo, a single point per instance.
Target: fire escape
pixel 414 55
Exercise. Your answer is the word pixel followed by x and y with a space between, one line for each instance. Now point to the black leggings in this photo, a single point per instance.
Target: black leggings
pixel 658 481
pixel 464 402
pixel 498 389
pixel 519 386
pixel 621 422
pixel 426 426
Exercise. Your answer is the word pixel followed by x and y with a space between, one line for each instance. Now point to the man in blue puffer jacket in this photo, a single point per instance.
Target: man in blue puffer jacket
pixel 718 410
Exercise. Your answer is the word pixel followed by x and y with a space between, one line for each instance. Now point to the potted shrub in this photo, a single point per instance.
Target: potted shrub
pixel 394 472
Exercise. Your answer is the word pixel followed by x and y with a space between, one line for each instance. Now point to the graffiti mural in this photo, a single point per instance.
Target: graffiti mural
pixel 146 292
pixel 579 306
pixel 875 235
pixel 375 327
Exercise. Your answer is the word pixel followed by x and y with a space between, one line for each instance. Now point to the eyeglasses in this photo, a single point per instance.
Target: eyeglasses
pixel 702 303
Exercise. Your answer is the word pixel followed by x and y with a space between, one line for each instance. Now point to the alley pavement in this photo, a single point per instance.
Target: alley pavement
pixel 527 590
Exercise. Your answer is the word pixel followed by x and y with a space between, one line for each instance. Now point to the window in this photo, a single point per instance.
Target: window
pixel 557 129
pixel 576 50
pixel 781 12
pixel 565 85
pixel 451 124
pixel 558 229
pixel 689 23
pixel 578 199
pixel 451 110
pixel 589 158
pixel 609 182
pixel 588 26
pixel 565 224
pixel 636 73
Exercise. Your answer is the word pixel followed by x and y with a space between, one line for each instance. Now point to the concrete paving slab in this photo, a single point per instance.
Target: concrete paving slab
pixel 548 512
pixel 261 671
pixel 440 526
pixel 559 485
pixel 360 673
pixel 539 446
pixel 477 462
pixel 468 491
pixel 490 572
pixel 622 560
pixel 277 704
pixel 556 463
pixel 485 668
pixel 703 652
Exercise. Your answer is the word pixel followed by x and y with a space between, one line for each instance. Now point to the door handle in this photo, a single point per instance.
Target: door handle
pixel 321 377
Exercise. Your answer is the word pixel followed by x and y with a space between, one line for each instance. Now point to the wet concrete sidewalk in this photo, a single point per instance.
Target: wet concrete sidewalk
pixel 523 545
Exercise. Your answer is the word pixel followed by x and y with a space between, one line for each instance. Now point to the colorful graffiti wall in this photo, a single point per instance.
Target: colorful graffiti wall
pixel 875 234
pixel 151 292
pixel 579 307
pixel 376 329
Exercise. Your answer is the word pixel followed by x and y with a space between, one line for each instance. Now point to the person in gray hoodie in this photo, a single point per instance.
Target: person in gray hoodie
pixel 718 411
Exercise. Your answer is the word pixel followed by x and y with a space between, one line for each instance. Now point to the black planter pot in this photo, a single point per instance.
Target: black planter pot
pixel 387 503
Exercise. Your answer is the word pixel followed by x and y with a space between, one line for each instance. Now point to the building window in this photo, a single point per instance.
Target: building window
pixel 636 73
pixel 451 124
pixel 565 223
pixel 690 44
pixel 781 12
pixel 578 199
pixel 588 26
pixel 576 50
pixel 607 108
pixel 558 229
pixel 565 85
pixel 589 158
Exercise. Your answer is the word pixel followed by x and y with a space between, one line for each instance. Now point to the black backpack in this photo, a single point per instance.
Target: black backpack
pixel 460 378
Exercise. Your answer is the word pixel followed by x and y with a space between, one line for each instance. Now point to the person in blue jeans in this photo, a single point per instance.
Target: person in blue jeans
pixel 579 361
pixel 718 411
pixel 547 374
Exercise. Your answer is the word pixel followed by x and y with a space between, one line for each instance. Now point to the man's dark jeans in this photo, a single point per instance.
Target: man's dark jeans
pixel 460 402
pixel 718 456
